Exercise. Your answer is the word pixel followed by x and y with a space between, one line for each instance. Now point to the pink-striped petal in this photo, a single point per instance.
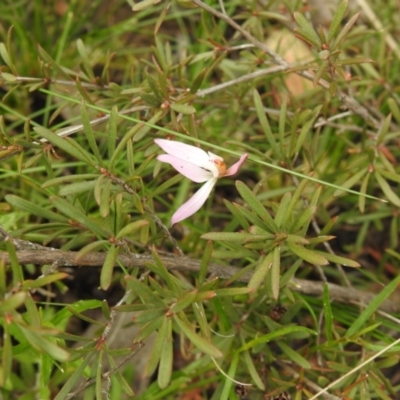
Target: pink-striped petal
pixel 188 153
pixel 194 203
pixel 235 167
pixel 191 171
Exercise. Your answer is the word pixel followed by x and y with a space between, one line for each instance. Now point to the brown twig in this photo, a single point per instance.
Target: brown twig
pixel 186 264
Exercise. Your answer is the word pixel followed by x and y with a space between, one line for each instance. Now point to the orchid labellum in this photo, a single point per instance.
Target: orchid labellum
pixel 199 166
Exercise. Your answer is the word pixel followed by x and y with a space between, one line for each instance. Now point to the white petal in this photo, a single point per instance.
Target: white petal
pixel 188 153
pixel 191 171
pixel 194 203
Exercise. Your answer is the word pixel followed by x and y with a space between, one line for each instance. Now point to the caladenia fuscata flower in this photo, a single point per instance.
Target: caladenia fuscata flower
pixel 199 166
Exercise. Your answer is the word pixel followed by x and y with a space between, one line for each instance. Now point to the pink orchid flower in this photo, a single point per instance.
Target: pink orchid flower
pixel 198 166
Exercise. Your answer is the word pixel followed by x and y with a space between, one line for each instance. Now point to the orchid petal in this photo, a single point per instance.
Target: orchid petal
pixel 188 153
pixel 194 203
pixel 235 167
pixel 191 171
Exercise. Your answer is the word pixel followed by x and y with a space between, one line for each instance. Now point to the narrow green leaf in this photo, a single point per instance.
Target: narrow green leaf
pixel 16 269
pixel 166 358
pixel 249 216
pixel 94 246
pixel 150 100
pixel 275 273
pixel 85 59
pixel 204 345
pixel 389 193
pixel 77 187
pixel 158 347
pixel 108 267
pixel 112 134
pixel 294 202
pixel 34 318
pixel 121 381
pixel 320 239
pixel 394 109
pixel 66 144
pixel 87 129
pixel 260 272
pixel 105 197
pixel 262 116
pixel 7 356
pixel 304 218
pixel 350 182
pixel 105 310
pixel 236 236
pixel 38 341
pixel 8 77
pixel 6 56
pixel 252 370
pixel 318 75
pixel 198 80
pixel 306 30
pixel 77 215
pixel 68 178
pixel 162 271
pixel 282 209
pixel 143 129
pixel 44 280
pixel 138 6
pixel 343 33
pixel 73 379
pixel 48 59
pixel 185 109
pixel 154 87
pixel 3 281
pixel 373 306
pixel 78 314
pixel 34 209
pixel 392 176
pixel 282 123
pixel 328 316
pixel 11 303
pixel 97 367
pixel 185 301
pixel 306 128
pixel 310 256
pixel 353 61
pixel 131 228
pixel 294 355
pixel 256 205
pixel 145 293
pixel 338 260
pixel 384 129
pixel 150 328
pixel 200 314
pixel 149 315
pixel 235 291
pixel 287 330
pixel 227 388
pixel 337 19
pixel 161 18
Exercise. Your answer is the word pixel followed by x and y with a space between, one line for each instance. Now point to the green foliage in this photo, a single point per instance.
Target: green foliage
pixel 270 284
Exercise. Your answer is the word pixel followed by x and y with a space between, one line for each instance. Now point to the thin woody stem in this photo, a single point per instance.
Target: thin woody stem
pixel 186 264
